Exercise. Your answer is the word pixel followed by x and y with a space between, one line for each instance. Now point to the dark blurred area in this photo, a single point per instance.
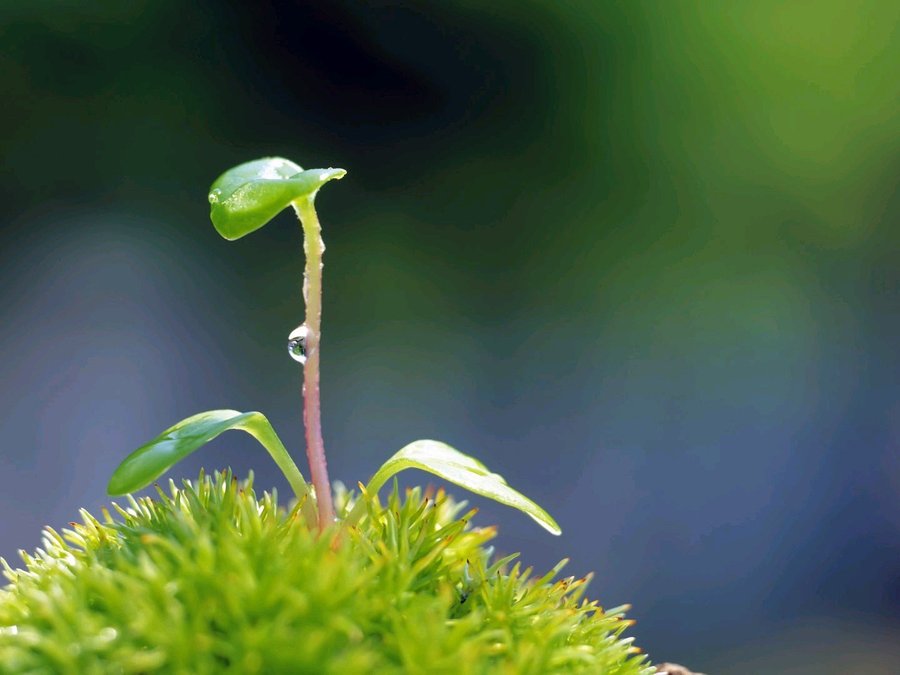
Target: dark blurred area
pixel 641 258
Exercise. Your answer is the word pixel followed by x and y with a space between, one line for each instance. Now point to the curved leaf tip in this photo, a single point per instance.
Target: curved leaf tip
pixel 467 472
pixel 249 195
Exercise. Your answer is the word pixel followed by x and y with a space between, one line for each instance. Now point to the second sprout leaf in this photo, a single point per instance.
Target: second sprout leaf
pixel 453 466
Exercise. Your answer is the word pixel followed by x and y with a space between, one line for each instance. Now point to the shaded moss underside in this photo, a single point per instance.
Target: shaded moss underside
pixel 210 578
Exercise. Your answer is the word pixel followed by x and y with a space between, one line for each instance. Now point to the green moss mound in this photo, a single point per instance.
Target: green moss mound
pixel 211 578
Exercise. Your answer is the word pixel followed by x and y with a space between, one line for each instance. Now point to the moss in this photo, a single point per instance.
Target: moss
pixel 212 578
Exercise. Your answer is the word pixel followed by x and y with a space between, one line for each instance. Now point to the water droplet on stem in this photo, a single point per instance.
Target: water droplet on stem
pixel 297 343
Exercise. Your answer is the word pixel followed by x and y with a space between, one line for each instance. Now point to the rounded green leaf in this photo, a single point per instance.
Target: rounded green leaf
pixel 248 196
pixel 150 461
pixel 453 466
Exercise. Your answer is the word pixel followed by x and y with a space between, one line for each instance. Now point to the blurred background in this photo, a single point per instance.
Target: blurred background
pixel 641 258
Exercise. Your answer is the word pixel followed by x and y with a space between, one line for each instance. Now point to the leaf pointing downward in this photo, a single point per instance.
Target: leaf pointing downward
pixel 248 196
pixel 452 465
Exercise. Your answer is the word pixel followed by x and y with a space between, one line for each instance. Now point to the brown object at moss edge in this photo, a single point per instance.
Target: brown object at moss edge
pixel 674 669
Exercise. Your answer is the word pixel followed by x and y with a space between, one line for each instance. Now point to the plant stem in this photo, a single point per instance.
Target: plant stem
pixel 313 246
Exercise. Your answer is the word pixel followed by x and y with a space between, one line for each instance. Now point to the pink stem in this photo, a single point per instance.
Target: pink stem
pixel 314 247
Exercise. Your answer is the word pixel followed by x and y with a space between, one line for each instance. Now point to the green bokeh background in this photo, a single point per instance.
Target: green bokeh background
pixel 642 258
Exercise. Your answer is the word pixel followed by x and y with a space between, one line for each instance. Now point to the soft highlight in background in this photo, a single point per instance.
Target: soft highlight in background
pixel 641 258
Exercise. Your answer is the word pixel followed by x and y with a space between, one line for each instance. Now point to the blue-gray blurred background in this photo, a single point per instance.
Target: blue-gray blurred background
pixel 641 258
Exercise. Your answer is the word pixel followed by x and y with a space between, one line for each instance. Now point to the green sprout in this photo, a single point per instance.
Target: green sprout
pixel 211 577
pixel 242 200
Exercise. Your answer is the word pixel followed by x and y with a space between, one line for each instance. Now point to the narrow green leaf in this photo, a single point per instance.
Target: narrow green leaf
pixel 453 466
pixel 150 461
pixel 248 196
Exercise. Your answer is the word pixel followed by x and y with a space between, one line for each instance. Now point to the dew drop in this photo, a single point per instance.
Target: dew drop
pixel 297 343
pixel 214 196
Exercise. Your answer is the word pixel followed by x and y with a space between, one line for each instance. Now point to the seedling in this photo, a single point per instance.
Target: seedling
pixel 211 577
pixel 242 200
